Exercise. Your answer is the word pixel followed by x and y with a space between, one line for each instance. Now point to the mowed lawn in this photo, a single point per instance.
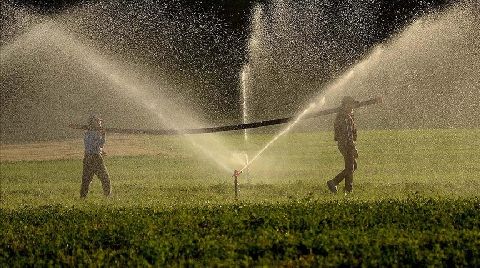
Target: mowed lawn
pixel 415 202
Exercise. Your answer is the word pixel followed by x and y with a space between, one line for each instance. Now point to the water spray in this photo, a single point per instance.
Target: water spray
pixel 305 114
pixel 254 46
pixel 244 79
pixel 358 104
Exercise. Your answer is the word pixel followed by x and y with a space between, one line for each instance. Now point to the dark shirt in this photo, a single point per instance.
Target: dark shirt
pixel 345 130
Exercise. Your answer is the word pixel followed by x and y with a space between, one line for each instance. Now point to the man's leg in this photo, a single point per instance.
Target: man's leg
pixel 350 166
pixel 332 184
pixel 339 178
pixel 87 176
pixel 102 173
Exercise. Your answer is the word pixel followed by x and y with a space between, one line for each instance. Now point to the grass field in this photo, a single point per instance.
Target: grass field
pixel 415 201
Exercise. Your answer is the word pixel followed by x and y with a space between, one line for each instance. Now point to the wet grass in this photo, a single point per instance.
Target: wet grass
pixel 434 163
pixel 415 201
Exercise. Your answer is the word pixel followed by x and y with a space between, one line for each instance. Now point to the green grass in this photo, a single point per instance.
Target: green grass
pixel 415 200
pixel 435 163
pixel 413 231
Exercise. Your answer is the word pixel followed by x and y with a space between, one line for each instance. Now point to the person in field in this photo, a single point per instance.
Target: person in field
pixel 345 136
pixel 93 164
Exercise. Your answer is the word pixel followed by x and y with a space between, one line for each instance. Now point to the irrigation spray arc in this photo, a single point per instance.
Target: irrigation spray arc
pixel 332 90
pixel 244 89
pixel 67 44
pixel 253 46
pixel 399 70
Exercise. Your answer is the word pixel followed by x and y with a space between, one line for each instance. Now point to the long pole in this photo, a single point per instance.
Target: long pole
pixel 225 128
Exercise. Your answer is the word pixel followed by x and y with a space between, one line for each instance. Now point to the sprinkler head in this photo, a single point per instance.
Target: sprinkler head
pixel 236 173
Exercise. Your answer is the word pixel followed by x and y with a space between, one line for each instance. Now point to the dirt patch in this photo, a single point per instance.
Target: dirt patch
pixel 117 145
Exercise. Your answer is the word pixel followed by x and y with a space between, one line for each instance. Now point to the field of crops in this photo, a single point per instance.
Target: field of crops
pixel 415 201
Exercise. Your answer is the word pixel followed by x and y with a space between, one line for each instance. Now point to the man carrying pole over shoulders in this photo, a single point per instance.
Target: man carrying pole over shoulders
pixel 345 136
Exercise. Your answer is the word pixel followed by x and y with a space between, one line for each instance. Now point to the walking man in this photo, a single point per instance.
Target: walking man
pixel 345 136
pixel 93 160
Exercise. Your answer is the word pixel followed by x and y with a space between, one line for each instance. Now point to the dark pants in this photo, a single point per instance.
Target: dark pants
pixel 93 165
pixel 349 155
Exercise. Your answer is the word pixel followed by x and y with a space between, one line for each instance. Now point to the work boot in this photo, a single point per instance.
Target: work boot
pixel 332 187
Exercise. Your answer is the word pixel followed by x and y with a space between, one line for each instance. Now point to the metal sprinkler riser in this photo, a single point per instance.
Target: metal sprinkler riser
pixel 236 173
